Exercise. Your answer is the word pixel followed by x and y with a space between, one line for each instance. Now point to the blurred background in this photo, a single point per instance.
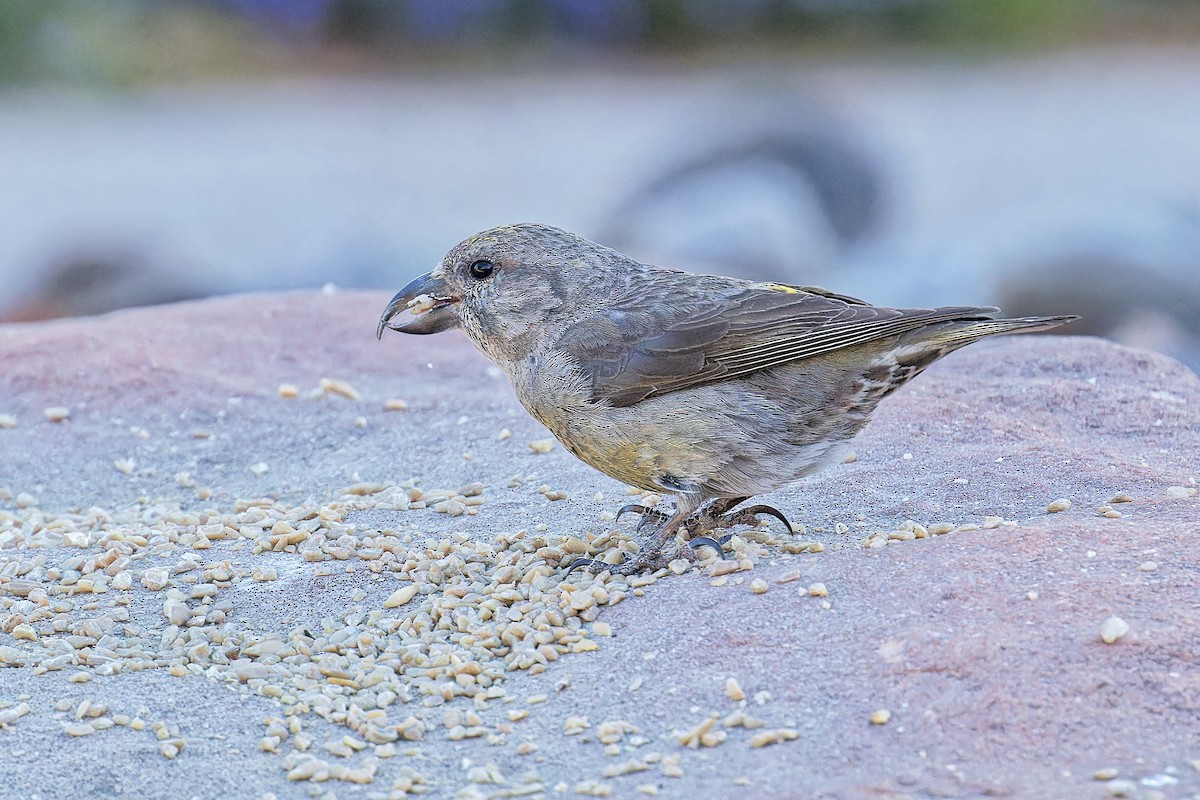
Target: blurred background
pixel 1042 156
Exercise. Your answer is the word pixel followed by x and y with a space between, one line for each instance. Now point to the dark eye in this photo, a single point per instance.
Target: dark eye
pixel 482 269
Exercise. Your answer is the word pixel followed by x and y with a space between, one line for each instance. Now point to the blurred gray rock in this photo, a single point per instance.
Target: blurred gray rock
pixel 1136 304
pixel 99 281
pixel 906 181
pixel 769 196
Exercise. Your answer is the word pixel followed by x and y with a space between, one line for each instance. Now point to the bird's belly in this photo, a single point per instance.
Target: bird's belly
pixel 614 455
pixel 619 447
pixel 620 442
pixel 727 440
pixel 651 446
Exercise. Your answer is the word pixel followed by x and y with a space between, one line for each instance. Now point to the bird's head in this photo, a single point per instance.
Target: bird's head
pixel 508 288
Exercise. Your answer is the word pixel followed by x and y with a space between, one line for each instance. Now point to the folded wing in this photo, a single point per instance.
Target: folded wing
pixel 649 346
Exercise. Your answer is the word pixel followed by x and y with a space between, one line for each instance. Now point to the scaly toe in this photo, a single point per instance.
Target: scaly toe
pixel 654 519
pixel 648 515
pixel 633 566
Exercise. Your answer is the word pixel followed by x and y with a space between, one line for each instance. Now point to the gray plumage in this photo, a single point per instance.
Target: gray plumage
pixel 711 389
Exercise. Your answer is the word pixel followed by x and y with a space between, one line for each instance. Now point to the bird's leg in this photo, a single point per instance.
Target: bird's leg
pixel 709 517
pixel 650 556
pixel 649 515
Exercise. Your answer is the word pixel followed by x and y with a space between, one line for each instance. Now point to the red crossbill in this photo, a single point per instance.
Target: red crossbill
pixel 707 388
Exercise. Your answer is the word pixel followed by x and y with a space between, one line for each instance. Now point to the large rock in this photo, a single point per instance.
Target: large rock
pixel 984 643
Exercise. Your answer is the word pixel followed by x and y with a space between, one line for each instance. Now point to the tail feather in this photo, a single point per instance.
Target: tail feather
pixel 919 348
pixel 965 333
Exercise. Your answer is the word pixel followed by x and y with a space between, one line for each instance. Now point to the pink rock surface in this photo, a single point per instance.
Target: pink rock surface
pixel 983 644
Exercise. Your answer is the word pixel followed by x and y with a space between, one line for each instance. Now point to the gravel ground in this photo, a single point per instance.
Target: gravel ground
pixel 212 588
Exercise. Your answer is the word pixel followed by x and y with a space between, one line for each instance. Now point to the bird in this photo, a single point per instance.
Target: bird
pixel 711 390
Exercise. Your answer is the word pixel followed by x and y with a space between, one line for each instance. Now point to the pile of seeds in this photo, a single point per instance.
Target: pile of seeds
pixel 423 648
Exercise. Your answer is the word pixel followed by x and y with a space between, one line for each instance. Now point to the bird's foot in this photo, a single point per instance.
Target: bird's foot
pixel 647 561
pixel 654 553
pixel 642 562
pixel 649 515
pixel 718 517
pixel 749 516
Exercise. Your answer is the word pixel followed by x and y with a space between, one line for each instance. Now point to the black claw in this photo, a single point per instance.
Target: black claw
pixel 631 508
pixel 582 562
pixel 638 565
pixel 753 511
pixel 701 541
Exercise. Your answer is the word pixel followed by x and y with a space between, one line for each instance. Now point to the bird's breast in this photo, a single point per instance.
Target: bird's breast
pixel 557 394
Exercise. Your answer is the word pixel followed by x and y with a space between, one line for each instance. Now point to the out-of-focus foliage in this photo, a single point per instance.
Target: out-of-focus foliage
pixel 123 41
pixel 673 23
pixel 128 41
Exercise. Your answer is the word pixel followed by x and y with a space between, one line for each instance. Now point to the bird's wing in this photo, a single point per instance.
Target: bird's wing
pixel 647 346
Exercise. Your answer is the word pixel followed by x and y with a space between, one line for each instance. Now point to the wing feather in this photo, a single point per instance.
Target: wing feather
pixel 718 329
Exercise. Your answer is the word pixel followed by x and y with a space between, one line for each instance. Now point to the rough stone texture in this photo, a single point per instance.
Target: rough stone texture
pixel 991 693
